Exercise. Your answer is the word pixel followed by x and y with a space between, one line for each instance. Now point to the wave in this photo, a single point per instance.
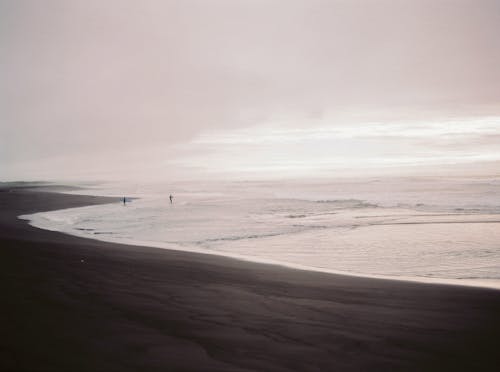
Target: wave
pixel 348 203
pixel 356 235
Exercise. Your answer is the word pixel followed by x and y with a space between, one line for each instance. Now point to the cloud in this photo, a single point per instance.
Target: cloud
pixel 86 78
pixel 273 150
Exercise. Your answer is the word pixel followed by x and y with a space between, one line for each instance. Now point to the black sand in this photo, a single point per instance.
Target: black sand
pixel 135 308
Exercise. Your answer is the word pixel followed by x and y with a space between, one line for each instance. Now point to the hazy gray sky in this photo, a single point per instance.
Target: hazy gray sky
pixel 100 86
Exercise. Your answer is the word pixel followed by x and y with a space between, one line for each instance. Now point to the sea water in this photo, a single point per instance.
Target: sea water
pixel 425 229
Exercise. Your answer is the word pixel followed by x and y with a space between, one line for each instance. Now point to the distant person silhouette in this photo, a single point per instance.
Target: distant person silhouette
pixel 124 200
pixel 171 198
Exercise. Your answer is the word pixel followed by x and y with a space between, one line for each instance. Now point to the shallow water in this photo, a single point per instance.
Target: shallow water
pixel 427 229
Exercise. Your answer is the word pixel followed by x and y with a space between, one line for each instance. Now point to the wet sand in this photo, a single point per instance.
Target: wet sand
pixel 70 303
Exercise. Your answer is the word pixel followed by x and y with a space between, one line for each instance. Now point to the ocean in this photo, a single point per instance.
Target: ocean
pixel 428 229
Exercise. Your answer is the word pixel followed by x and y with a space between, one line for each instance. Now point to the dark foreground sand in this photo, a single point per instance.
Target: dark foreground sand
pixel 135 308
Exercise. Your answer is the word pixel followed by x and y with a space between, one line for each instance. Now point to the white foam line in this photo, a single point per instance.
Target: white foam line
pixel 479 283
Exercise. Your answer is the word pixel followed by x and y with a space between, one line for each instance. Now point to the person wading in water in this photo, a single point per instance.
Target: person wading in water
pixel 171 198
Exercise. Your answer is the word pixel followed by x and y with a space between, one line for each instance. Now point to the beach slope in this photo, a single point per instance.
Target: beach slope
pixel 70 303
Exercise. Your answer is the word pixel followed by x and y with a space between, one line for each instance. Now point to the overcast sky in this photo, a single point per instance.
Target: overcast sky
pixel 96 88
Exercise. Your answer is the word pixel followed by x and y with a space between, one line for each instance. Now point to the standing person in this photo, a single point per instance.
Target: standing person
pixel 124 200
pixel 171 198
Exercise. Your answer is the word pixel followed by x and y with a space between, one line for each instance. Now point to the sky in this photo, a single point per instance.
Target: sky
pixel 247 88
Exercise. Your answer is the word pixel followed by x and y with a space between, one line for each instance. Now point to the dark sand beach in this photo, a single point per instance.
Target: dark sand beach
pixel 73 304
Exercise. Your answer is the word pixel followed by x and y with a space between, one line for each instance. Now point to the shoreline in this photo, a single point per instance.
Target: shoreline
pixel 83 304
pixel 476 283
